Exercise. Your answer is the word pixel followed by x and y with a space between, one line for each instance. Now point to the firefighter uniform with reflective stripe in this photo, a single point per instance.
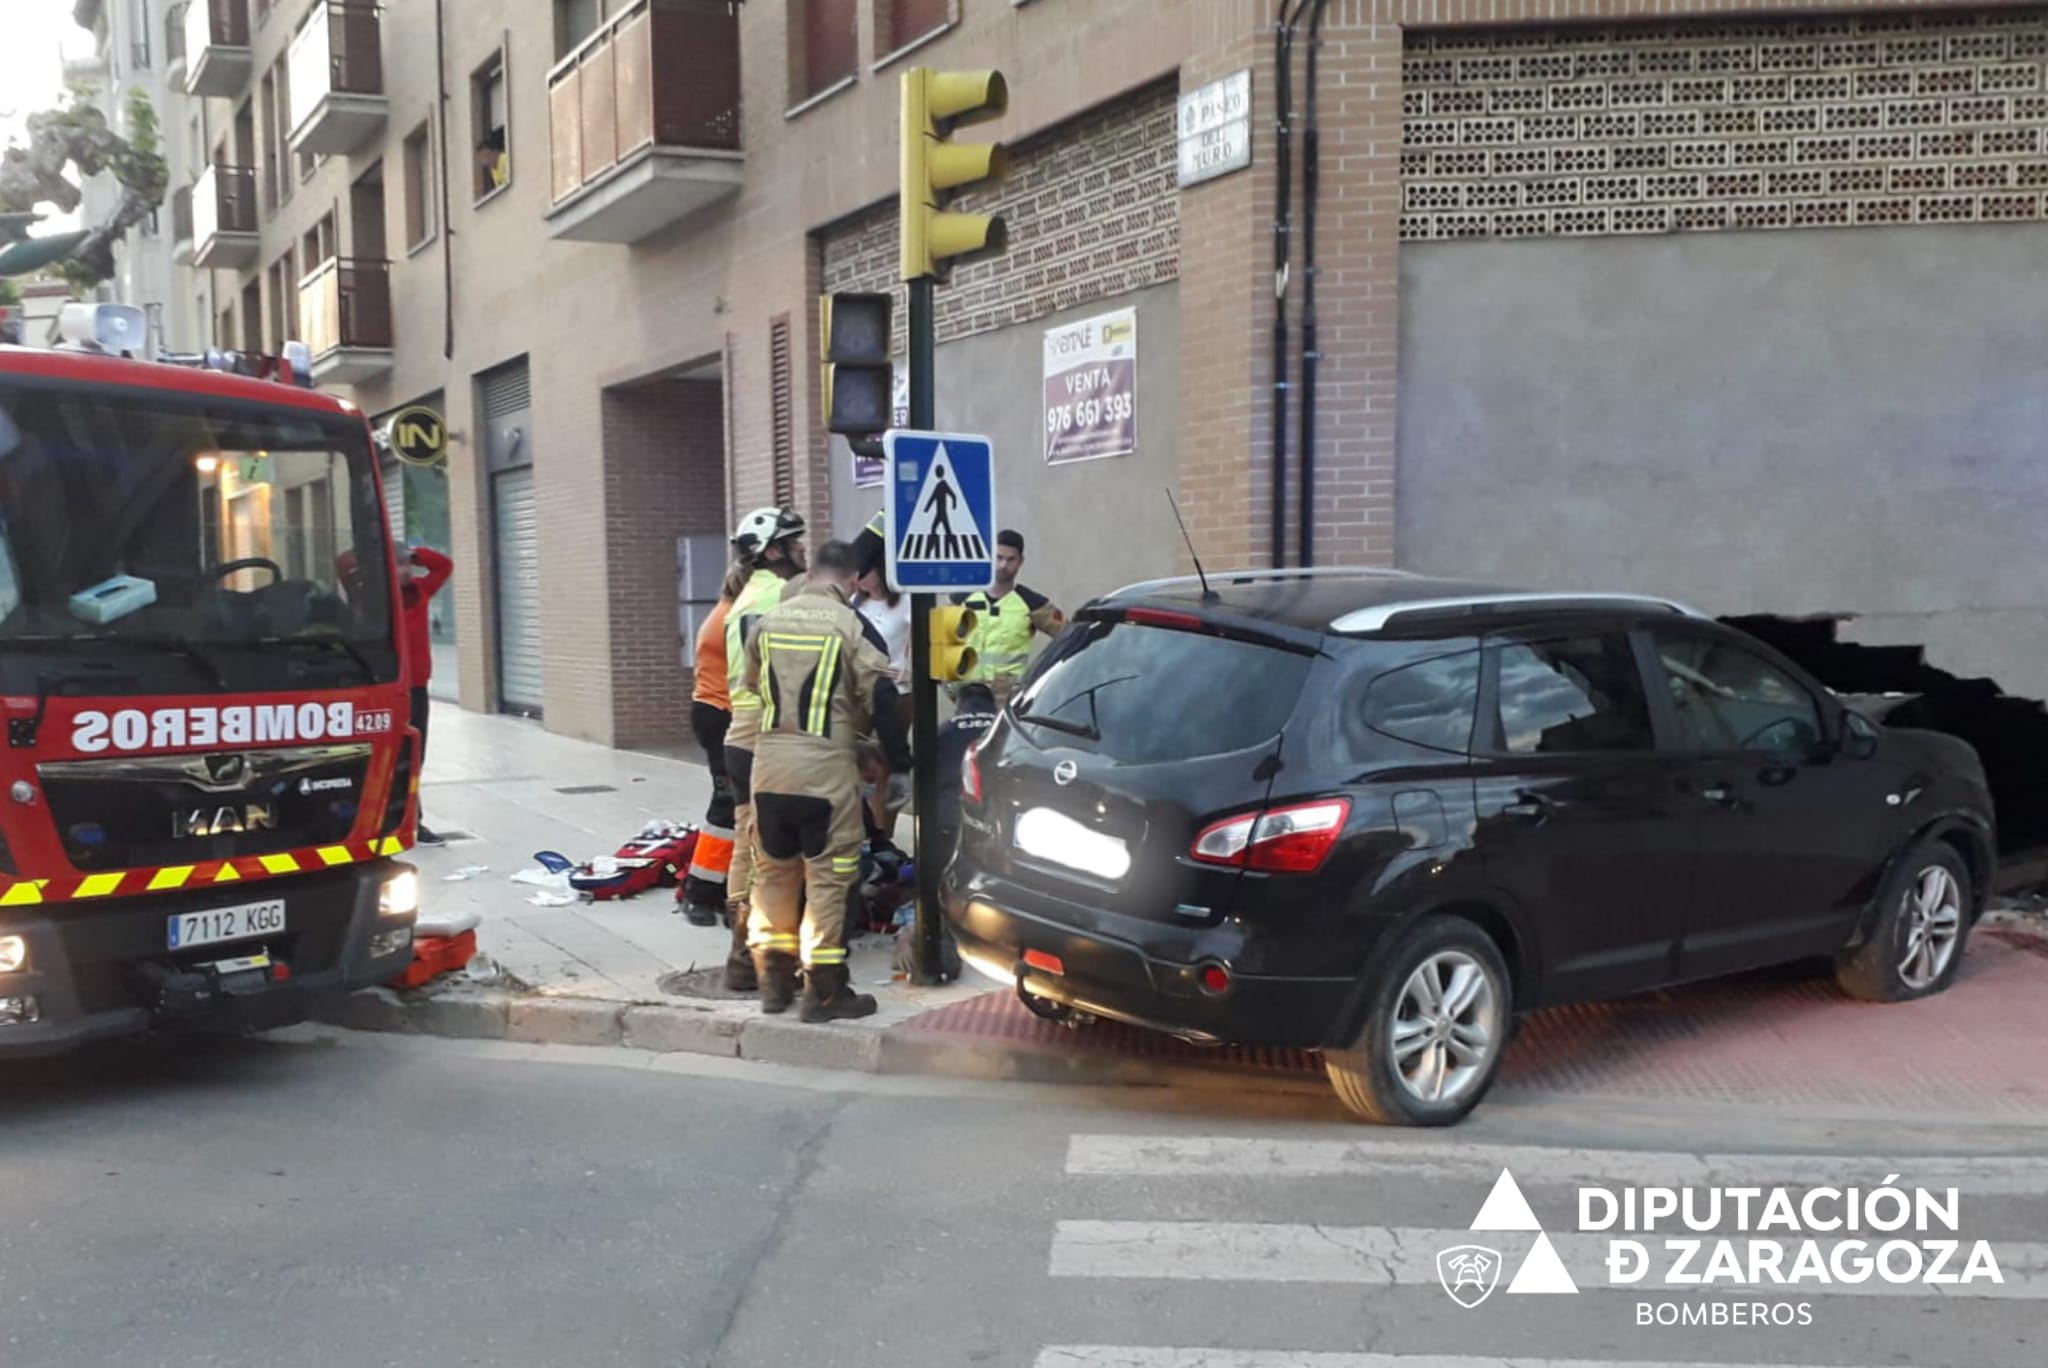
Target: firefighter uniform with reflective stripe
pixel 822 684
pixel 1002 635
pixel 762 592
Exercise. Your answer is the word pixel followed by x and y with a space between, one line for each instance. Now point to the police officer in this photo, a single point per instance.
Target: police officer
pixel 822 684
pixel 769 542
pixel 1005 620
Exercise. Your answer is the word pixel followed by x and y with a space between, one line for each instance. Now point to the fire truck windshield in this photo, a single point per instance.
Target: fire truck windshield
pixel 169 535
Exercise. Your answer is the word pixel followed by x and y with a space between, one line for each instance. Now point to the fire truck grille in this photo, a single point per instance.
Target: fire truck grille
pixel 184 809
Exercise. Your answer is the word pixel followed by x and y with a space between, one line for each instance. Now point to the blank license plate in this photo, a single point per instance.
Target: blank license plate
pixel 188 929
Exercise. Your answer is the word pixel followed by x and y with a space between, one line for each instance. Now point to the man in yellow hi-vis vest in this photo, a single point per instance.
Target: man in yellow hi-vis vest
pixel 769 542
pixel 1005 620
pixel 823 683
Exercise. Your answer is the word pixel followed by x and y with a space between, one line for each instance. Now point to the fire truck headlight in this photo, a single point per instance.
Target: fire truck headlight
pixel 13 954
pixel 400 896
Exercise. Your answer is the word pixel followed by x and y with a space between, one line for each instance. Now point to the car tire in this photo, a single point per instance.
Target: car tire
pixel 1418 1065
pixel 1923 919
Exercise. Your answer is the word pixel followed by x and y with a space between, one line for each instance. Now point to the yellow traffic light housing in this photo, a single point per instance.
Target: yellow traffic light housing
pixel 859 377
pixel 950 631
pixel 934 104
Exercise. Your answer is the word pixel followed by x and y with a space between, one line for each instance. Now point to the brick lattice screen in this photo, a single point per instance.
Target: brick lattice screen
pixel 1816 123
pixel 1092 209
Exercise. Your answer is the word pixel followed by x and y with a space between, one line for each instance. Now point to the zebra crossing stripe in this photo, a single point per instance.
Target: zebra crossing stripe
pixel 1133 1356
pixel 1384 1256
pixel 1207 1156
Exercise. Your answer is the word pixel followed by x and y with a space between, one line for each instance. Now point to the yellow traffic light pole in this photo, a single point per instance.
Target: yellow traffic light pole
pixel 933 168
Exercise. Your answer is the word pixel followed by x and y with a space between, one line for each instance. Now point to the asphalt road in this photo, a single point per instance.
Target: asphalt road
pixel 396 1201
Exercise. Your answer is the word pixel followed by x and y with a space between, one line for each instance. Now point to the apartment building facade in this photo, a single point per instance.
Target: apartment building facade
pixel 1605 291
pixel 135 52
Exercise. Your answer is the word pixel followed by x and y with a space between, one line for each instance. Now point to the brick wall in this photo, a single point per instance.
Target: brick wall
pixel 1820 122
pixel 1091 210
pixel 664 477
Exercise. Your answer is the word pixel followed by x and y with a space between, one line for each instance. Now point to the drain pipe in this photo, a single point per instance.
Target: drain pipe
pixel 1283 97
pixel 1311 179
pixel 447 224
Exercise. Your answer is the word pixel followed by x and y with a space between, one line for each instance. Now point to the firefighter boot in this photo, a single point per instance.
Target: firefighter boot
pixel 777 971
pixel 741 975
pixel 829 995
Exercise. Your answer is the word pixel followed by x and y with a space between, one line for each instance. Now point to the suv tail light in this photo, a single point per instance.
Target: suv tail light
pixel 1286 840
pixel 970 776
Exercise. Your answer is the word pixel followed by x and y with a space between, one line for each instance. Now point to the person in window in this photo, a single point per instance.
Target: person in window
pixel 493 162
pixel 416 591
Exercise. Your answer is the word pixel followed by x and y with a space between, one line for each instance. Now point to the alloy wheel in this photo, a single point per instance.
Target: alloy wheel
pixel 1446 1028
pixel 1931 922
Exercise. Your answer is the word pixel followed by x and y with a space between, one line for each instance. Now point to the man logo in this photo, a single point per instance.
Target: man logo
pixel 1469 1273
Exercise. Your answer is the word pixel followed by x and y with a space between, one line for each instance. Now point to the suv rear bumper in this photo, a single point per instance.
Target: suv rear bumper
pixel 98 971
pixel 1157 986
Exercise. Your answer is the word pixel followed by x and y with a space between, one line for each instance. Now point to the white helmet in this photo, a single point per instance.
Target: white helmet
pixel 763 527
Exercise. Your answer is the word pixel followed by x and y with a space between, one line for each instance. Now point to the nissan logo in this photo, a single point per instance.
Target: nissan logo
pixel 1065 773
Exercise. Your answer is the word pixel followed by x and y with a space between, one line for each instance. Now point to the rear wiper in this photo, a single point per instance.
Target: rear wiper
pixel 1081 729
pixel 1090 730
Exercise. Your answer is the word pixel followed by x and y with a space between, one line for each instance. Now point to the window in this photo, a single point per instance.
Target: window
pixel 1430 703
pixel 575 21
pixel 275 173
pixel 1728 699
pixel 824 46
pixel 491 119
pixel 910 20
pixel 1571 697
pixel 224 330
pixel 279 138
pixel 252 315
pixel 419 187
pixel 319 243
pixel 284 300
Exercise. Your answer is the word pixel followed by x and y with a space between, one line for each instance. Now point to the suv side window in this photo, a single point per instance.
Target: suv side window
pixel 1430 703
pixel 1572 696
pixel 1729 699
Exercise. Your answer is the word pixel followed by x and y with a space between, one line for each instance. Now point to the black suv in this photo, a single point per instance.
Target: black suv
pixel 1382 817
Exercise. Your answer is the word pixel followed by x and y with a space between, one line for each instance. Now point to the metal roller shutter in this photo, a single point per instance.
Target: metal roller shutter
pixel 516 519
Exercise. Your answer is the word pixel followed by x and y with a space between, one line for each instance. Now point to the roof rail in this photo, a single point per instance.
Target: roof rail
pixel 1383 615
pixel 1257 575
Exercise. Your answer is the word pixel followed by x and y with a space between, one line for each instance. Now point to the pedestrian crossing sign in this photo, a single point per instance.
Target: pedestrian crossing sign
pixel 940 516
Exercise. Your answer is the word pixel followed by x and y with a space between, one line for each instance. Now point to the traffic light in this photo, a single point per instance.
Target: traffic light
pixel 951 630
pixel 934 104
pixel 859 379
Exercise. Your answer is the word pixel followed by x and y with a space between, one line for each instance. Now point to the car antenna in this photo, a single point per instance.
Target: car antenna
pixel 1208 594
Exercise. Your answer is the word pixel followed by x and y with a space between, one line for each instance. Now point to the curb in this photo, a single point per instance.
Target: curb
pixel 727 1033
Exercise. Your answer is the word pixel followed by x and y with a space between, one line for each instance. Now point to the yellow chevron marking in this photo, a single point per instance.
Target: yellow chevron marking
pixel 23 894
pixel 280 864
pixel 171 877
pixel 99 885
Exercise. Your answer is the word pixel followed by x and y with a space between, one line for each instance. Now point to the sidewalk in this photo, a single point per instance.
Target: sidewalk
pixel 1784 1042
pixel 501 789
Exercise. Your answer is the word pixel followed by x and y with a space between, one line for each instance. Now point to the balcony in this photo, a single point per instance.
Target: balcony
pixel 181 225
pixel 337 79
pixel 217 58
pixel 644 121
pixel 345 318
pixel 224 219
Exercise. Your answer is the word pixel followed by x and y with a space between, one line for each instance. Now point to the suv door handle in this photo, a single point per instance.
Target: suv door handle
pixel 1530 807
pixel 1718 794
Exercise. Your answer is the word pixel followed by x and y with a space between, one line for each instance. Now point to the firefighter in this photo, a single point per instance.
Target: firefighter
pixel 769 543
pixel 823 683
pixel 1005 621
pixel 703 896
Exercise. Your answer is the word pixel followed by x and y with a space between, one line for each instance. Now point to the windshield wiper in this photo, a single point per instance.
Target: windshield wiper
pixel 338 643
pixel 176 645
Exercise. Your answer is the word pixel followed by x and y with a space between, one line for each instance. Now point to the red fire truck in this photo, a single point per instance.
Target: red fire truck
pixel 207 764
